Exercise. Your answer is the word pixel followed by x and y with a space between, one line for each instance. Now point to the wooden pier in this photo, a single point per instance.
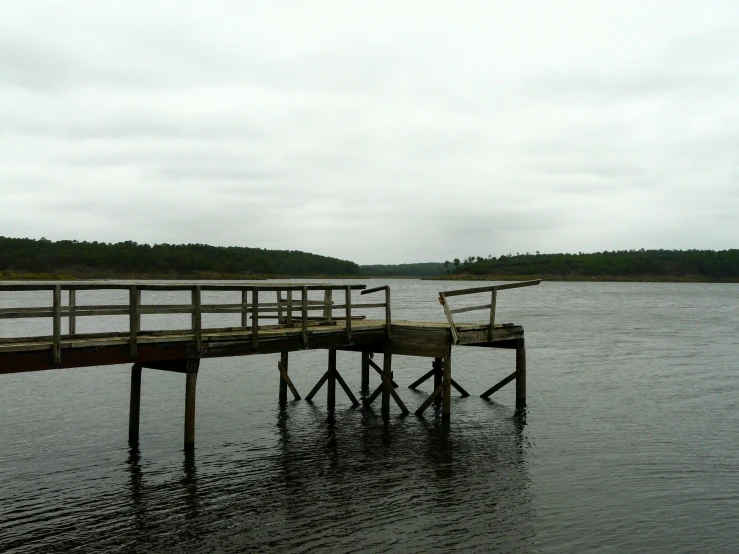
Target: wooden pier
pixel 274 318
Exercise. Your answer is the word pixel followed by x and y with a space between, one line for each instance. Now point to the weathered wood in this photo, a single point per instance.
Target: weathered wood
pixel 304 317
pixel 255 319
pixel 499 385
pixel 446 402
pixel 521 373
pixel 289 308
pixel 134 405
pixel 493 301
pixel 490 288
pixel 317 387
pixel 379 370
pixel 134 320
pixel 191 380
pixel 331 385
pixel 469 309
pixel 372 397
pixel 459 388
pixel 283 366
pixel 365 371
pixel 348 316
pixel 327 301
pixel 285 380
pixel 388 316
pixel 346 388
pixel 452 328
pixel 374 289
pixel 387 377
pixel 244 308
pixel 437 391
pixel 57 324
pixel 426 376
pixel 279 307
pixel 438 367
pixel 72 318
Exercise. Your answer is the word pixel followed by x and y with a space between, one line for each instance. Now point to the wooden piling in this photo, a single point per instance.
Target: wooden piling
pixel 331 384
pixel 365 371
pixel 438 366
pixel 387 381
pixel 192 377
pixel 520 372
pixel 134 405
pixel 446 403
pixel 284 358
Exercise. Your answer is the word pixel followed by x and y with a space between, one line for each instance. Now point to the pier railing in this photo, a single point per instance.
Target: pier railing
pixel 493 290
pixel 290 306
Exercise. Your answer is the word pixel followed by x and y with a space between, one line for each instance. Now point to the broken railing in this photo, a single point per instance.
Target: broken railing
pixel 289 305
pixel 493 290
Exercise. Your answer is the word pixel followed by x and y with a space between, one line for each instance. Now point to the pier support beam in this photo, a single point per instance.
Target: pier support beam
pixel 365 372
pixel 520 372
pixel 387 380
pixel 446 403
pixel 193 365
pixel 331 383
pixel 438 372
pixel 284 358
pixel 135 405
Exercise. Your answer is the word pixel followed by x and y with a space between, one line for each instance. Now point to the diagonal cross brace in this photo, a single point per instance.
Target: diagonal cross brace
pixel 287 380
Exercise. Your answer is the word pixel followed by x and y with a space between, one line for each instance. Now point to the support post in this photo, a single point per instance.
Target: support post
pixel 244 307
pixel 387 381
pixel 365 371
pixel 331 385
pixel 135 405
pixel 520 372
pixel 438 374
pixel 193 365
pixel 72 308
pixel 57 324
pixel 446 403
pixel 284 358
pixel 255 319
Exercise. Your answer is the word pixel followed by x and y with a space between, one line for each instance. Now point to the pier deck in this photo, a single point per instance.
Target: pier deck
pixel 338 326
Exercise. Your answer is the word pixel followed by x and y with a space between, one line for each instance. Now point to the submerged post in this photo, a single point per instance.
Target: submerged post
pixel 284 358
pixel 365 370
pixel 331 383
pixel 387 380
pixel 193 365
pixel 438 374
pixel 135 405
pixel 520 372
pixel 446 403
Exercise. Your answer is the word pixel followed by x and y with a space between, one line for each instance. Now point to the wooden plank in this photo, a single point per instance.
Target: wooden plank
pixel 134 320
pixel 499 385
pixel 388 318
pixel 286 379
pixel 244 307
pixel 72 318
pixel 469 309
pixel 348 315
pixel 422 379
pixel 317 387
pixel 379 370
pixel 459 388
pixel 290 307
pixel 197 318
pixel 57 323
pixel 374 289
pixel 437 391
pixel 347 390
pixel 490 288
pixel 304 317
pixel 255 319
pixel 327 301
pixel 443 302
pixel 493 301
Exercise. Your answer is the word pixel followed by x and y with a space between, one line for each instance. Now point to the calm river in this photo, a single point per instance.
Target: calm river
pixel 629 443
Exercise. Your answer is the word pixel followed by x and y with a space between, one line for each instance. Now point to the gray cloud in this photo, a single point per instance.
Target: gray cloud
pixel 383 133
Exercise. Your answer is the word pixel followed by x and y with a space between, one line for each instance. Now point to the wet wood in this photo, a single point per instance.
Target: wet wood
pixel 459 388
pixel 521 372
pixel 438 367
pixel 331 383
pixel 437 391
pixel 379 370
pixel 134 405
pixel 426 376
pixel 365 370
pixel 190 383
pixel 499 385
pixel 446 401
pixel 372 397
pixel 286 381
pixel 317 387
pixel 346 388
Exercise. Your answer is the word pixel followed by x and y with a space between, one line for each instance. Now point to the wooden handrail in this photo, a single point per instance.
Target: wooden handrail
pixel 493 301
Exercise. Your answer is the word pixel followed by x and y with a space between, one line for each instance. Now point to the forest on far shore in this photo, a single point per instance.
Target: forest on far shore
pixel 621 264
pixel 31 257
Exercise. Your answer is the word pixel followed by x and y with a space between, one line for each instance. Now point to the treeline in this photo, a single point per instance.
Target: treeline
pixel 427 269
pixel 122 258
pixel 709 264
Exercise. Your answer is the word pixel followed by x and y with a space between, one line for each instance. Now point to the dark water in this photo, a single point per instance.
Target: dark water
pixel 630 442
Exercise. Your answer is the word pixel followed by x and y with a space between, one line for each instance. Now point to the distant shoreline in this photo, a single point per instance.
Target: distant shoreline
pixel 586 278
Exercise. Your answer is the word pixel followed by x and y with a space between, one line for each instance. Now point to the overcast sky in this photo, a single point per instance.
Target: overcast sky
pixel 379 133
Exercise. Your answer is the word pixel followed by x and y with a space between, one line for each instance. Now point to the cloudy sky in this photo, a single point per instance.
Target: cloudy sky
pixel 380 133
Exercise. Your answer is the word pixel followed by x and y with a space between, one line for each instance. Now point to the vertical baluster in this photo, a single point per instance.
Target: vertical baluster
pixel 289 308
pixel 255 319
pixel 388 320
pixel 348 302
pixel 197 318
pixel 304 317
pixel 244 307
pixel 57 324
pixel 72 308
pixel 493 300
pixel 134 320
